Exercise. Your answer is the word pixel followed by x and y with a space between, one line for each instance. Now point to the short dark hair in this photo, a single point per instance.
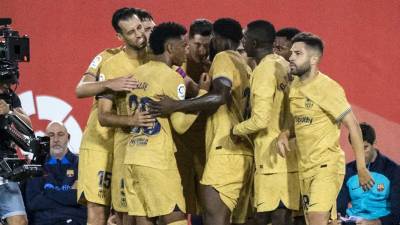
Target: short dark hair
pixel 368 133
pixel 143 14
pixel 228 28
pixel 164 32
pixel 309 39
pixel 263 31
pixel 200 26
pixel 287 32
pixel 122 14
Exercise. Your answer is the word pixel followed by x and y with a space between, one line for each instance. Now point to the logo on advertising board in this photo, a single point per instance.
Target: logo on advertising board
pixel 50 108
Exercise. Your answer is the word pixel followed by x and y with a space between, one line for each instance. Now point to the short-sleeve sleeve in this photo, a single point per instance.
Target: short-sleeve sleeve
pixel 222 66
pixel 336 103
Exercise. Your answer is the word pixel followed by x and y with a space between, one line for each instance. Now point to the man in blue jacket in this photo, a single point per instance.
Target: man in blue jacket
pixel 381 204
pixel 51 199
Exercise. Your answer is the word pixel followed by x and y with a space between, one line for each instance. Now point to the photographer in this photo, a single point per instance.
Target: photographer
pixel 11 204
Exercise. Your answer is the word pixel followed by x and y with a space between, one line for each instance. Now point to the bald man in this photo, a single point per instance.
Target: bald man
pixel 59 138
pixel 51 199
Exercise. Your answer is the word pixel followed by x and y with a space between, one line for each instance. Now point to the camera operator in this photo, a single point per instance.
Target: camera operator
pixel 11 204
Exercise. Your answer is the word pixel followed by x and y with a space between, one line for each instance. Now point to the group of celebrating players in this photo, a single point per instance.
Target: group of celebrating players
pixel 228 123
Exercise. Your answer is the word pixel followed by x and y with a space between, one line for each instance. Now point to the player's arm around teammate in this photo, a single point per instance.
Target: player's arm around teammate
pixel 91 84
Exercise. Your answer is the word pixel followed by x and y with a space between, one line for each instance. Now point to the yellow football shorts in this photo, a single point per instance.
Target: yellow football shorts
pixel 229 175
pixel 244 208
pixel 153 192
pixel 270 189
pixel 319 192
pixel 118 197
pixel 94 176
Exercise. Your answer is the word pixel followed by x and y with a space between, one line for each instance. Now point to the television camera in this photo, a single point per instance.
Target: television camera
pixel 15 134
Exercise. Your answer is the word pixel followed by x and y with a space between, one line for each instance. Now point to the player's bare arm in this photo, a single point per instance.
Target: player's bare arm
pixel 89 86
pixel 219 95
pixel 108 117
pixel 350 121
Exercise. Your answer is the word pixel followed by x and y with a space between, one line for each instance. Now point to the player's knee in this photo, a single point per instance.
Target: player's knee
pixel 97 214
pixel 173 217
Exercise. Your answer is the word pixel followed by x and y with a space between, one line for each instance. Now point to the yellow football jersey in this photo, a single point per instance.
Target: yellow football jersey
pixel 317 107
pixel 95 136
pixel 154 146
pixel 118 66
pixel 269 84
pixel 232 66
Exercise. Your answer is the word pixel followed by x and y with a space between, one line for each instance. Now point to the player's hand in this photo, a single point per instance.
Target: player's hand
pixel 369 222
pixel 142 119
pixel 164 107
pixel 282 144
pixel 205 82
pixel 4 107
pixel 206 64
pixel 365 179
pixel 125 83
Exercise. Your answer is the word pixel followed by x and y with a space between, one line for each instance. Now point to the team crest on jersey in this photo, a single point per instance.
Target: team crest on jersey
pixel 95 62
pixel 380 187
pixel 181 90
pixel 308 104
pixel 282 86
pixel 70 173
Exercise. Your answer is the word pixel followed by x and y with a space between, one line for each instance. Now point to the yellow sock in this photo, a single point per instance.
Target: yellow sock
pixel 179 222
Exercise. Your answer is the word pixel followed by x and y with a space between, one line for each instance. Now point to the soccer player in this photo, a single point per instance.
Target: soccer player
pixel 97 142
pixel 191 145
pixel 130 30
pixel 283 42
pixel 276 183
pixel 153 184
pixel 319 107
pixel 147 21
pixel 282 47
pixel 229 164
